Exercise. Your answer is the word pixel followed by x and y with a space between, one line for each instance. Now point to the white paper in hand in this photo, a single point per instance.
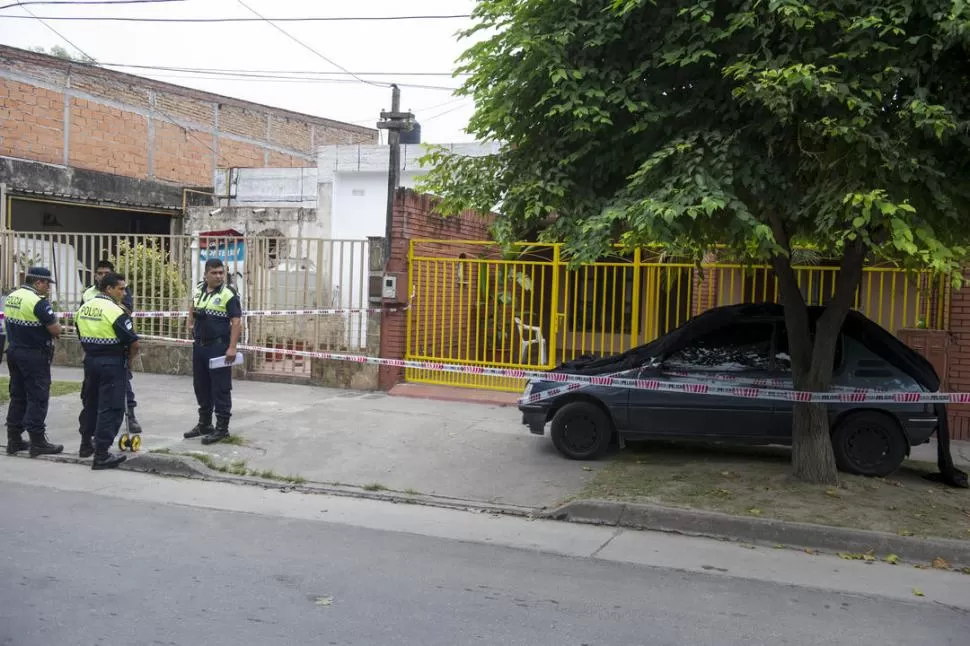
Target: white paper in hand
pixel 220 362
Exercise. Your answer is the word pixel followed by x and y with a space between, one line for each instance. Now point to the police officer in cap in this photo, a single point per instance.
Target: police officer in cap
pixel 109 341
pixel 102 269
pixel 31 329
pixel 216 322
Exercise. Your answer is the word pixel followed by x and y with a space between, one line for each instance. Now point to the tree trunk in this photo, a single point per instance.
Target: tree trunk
pixel 813 355
pixel 812 458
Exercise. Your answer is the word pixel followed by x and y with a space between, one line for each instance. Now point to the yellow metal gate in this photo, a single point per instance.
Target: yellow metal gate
pixel 525 308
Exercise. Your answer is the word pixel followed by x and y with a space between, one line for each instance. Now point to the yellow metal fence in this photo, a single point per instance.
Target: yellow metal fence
pixel 528 309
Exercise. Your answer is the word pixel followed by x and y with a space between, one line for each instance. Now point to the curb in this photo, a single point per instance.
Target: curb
pixel 185 467
pixel 710 524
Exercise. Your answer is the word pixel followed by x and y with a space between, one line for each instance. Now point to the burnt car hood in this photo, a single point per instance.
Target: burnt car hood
pixel 856 326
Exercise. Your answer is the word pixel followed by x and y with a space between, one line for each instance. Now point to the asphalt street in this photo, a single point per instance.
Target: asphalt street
pixel 105 560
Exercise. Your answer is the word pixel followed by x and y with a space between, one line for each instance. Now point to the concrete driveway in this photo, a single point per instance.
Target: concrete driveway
pixel 457 450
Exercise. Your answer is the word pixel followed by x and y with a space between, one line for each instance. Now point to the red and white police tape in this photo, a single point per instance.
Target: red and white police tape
pixel 248 313
pixel 575 382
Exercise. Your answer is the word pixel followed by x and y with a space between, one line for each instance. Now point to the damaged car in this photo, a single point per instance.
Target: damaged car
pixel 743 344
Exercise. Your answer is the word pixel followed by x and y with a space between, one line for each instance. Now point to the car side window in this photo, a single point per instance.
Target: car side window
pixel 783 356
pixel 737 347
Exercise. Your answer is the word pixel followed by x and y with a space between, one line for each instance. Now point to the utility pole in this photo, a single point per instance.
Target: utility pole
pixel 394 122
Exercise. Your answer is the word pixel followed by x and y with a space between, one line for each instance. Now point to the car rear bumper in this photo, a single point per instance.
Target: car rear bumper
pixel 535 418
pixel 919 428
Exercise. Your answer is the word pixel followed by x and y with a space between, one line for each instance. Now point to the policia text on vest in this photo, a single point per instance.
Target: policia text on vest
pixel 31 328
pixel 109 340
pixel 216 322
pixel 102 269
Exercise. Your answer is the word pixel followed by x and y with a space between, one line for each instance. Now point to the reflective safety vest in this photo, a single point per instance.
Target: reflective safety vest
pixel 213 304
pixel 89 293
pixel 95 322
pixel 18 308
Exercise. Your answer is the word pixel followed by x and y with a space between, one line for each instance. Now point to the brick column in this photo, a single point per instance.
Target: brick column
pixel 958 364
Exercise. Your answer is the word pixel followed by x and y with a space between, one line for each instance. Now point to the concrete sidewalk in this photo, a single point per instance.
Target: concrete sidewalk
pixel 449 449
pixel 465 451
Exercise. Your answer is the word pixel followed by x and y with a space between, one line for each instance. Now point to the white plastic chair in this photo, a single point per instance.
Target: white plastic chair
pixel 534 338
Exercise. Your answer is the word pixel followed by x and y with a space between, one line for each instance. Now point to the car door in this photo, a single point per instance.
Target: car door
pixel 781 424
pixel 730 355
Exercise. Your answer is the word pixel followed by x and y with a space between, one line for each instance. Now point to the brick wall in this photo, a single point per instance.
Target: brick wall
pixel 133 126
pixel 413 218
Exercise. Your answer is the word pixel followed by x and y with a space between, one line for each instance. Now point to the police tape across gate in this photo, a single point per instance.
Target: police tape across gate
pixel 170 314
pixel 575 382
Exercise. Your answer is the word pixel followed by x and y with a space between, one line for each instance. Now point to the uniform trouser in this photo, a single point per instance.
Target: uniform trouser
pixel 130 394
pixel 103 398
pixel 30 389
pixel 213 388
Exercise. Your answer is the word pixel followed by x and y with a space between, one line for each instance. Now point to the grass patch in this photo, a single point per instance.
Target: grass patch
pixel 161 451
pixel 757 482
pixel 412 492
pixel 269 474
pixel 58 388
pixel 204 458
pixel 374 486
pixel 235 440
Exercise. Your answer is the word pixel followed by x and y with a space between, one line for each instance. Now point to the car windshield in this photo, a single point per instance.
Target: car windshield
pixel 733 348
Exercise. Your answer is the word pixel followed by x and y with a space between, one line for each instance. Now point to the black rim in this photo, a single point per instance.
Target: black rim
pixel 580 433
pixel 868 445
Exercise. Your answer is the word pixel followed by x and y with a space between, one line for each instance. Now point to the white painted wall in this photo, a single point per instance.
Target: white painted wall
pixel 356 177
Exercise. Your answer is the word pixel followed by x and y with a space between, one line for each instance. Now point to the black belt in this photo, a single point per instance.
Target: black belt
pixel 207 342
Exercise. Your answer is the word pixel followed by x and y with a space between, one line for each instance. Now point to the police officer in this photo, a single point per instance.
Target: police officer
pixel 109 341
pixel 216 322
pixel 31 329
pixel 102 269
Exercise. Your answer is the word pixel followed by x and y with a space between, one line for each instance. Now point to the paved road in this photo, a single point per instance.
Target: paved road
pixel 133 559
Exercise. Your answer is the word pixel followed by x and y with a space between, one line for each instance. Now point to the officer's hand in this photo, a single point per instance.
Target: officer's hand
pixel 230 356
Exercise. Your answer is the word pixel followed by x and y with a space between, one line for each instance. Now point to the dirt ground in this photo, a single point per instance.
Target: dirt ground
pixel 756 481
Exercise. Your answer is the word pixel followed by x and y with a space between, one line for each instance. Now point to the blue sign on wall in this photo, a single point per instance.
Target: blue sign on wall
pixel 226 252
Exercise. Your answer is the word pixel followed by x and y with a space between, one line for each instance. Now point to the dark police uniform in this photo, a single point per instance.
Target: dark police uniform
pixel 30 349
pixel 105 332
pixel 127 302
pixel 213 311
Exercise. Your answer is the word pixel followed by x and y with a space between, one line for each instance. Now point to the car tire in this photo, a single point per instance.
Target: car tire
pixel 869 444
pixel 581 431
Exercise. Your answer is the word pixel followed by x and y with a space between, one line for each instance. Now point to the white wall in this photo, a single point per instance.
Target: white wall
pixel 355 176
pixel 352 197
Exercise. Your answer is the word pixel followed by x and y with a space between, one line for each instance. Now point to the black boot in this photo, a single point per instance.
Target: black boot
pixel 104 459
pixel 16 442
pixel 133 425
pixel 86 449
pixel 221 432
pixel 204 427
pixel 40 446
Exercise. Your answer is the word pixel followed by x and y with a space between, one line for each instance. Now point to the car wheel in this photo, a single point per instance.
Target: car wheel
pixel 869 444
pixel 581 431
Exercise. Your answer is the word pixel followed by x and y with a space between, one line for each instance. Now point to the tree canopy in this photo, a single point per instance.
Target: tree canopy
pixel 753 125
pixel 699 123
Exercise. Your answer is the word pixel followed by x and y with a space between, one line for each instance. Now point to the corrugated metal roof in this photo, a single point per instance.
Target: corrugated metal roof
pixel 87 201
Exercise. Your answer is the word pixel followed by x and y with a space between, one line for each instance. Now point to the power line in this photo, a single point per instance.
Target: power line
pixel 234 19
pixel 221 70
pixel 59 34
pixel 284 79
pixel 76 2
pixel 441 114
pixel 304 45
